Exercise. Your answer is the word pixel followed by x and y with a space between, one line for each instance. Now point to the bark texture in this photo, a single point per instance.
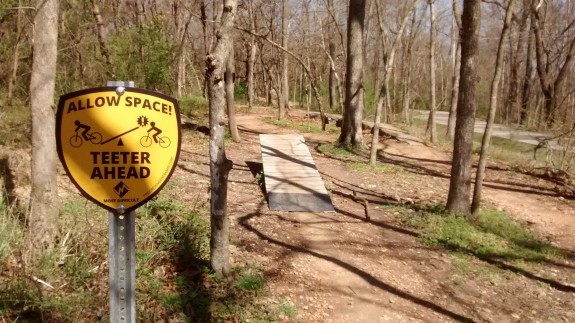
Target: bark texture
pixel 44 198
pixel 460 184
pixel 351 132
pixel 220 166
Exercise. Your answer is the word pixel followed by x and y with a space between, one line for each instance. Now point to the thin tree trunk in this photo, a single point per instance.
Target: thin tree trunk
pixel 252 55
pixel 44 197
pixel 431 121
pixel 459 186
pixel 284 96
pixel 16 57
pixel 229 77
pixel 456 73
pixel 526 89
pixel 220 166
pixel 102 39
pixel 492 110
pixel 332 71
pixel 454 93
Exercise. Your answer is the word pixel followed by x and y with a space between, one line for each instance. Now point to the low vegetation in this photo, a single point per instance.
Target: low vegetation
pixel 493 235
pixel 173 281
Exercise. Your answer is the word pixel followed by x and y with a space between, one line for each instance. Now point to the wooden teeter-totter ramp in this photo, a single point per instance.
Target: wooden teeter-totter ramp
pixel 291 178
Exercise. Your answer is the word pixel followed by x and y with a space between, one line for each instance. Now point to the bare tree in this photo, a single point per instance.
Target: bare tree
pixel 431 121
pixel 388 60
pixel 549 84
pixel 220 166
pixel 351 133
pixel 44 197
pixel 284 97
pixel 492 109
pixel 460 183
pixel 252 54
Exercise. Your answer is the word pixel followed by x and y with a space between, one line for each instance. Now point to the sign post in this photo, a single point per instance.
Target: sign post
pixel 119 145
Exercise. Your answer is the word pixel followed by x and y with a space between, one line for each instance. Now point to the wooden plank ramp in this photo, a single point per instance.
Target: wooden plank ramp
pixel 291 178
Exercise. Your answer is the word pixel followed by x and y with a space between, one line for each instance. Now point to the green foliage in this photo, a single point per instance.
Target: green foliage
pixel 493 234
pixel 241 91
pixel 144 55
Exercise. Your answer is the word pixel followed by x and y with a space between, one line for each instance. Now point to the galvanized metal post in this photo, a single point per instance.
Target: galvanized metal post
pixel 122 253
pixel 122 265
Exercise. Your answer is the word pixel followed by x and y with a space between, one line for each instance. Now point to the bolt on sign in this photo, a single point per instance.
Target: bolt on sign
pixel 118 147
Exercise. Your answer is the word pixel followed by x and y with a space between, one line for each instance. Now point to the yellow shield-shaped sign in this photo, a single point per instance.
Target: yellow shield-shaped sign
pixel 119 149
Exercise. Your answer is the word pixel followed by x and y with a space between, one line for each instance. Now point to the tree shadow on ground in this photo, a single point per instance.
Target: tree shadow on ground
pixel 187 270
pixel 245 222
pixel 416 168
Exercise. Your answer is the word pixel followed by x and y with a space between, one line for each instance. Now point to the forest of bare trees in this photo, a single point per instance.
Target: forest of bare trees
pixel 162 46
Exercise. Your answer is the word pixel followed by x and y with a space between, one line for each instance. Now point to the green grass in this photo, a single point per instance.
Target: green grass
pixel 334 149
pixel 251 281
pixel 493 235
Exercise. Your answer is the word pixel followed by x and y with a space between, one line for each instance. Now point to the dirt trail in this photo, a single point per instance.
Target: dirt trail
pixel 338 267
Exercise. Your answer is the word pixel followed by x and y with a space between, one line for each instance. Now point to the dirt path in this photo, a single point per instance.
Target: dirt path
pixel 339 267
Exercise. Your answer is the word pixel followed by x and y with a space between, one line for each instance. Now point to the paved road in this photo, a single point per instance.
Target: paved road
pixel 499 130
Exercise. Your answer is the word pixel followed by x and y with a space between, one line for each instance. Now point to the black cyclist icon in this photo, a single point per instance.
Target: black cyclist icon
pixel 77 139
pixel 147 141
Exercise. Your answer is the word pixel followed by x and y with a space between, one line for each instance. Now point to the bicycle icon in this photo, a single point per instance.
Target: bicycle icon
pixel 77 140
pixel 146 141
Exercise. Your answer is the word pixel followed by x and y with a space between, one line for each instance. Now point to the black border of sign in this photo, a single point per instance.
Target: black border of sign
pixel 60 111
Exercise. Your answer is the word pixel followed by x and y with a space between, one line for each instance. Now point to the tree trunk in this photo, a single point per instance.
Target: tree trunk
pixel 229 78
pixel 492 110
pixel 284 85
pixel 252 55
pixel 44 196
pixel 220 166
pixel 16 58
pixel 431 122
pixel 351 133
pixel 456 50
pixel 526 89
pixel 460 183
pixel 332 72
pixel 454 92
pixel 102 39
